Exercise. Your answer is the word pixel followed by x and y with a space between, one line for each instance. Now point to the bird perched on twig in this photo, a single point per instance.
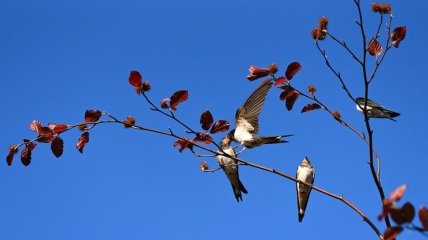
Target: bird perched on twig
pixel 375 110
pixel 247 120
pixel 230 167
pixel 305 173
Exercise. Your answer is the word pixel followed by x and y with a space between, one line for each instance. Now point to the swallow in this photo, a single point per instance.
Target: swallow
pixel 375 110
pixel 230 167
pixel 247 120
pixel 305 173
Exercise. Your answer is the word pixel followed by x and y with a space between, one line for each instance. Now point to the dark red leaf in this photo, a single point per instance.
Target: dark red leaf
pixel 26 156
pixel 311 107
pixel 374 48
pixel 46 135
pixel 283 95
pixel 135 79
pixel 398 35
pixel 57 128
pixel 220 126
pixel 203 137
pixel 92 115
pixel 279 81
pixel 398 193
pixel 81 142
pixel 177 98
pixel 288 91
pixel 183 144
pixel 57 146
pixel 12 151
pixel 402 215
pixel 292 69
pixel 36 126
pixel 392 232
pixel 423 217
pixel 206 120
pixel 291 98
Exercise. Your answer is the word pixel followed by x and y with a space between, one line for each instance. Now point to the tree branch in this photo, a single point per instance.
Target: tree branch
pixel 376 177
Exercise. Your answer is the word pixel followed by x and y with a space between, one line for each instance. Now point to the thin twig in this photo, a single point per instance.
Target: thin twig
pixel 344 45
pixel 387 47
pixel 336 73
pixel 376 177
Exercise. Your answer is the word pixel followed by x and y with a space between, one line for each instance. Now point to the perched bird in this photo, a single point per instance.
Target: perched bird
pixel 230 167
pixel 305 173
pixel 374 110
pixel 247 120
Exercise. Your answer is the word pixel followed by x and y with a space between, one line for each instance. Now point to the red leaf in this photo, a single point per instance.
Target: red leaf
pixel 387 205
pixel 398 193
pixel 292 69
pixel 92 115
pixel 29 144
pixel 392 232
pixel 287 92
pixel 177 98
pixel 204 166
pixel 13 149
pixel 57 128
pixel 220 126
pixel 402 215
pixel 57 146
pixel 46 135
pixel 408 212
pixel 289 101
pixel 26 152
pixel 203 137
pixel 398 35
pixel 164 103
pixel 279 81
pixel 84 138
pixel 183 144
pixel 423 217
pixel 26 156
pixel 257 72
pixel 206 120
pixel 310 107
pixel 135 79
pixel 374 47
pixel 129 122
pixel 36 126
pixel 290 96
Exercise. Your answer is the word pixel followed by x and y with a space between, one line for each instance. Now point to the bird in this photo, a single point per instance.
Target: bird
pixel 375 110
pixel 230 167
pixel 305 173
pixel 247 120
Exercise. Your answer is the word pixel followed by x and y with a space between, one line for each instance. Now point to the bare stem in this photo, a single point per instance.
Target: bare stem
pixel 342 121
pixel 336 73
pixel 344 45
pixel 375 175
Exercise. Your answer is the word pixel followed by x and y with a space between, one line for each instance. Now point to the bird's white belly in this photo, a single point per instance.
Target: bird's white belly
pixel 242 133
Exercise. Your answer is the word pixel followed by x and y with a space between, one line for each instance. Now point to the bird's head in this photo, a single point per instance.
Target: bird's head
pixel 231 134
pixel 225 141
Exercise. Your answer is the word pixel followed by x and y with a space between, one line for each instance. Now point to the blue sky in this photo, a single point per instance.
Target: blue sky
pixel 59 58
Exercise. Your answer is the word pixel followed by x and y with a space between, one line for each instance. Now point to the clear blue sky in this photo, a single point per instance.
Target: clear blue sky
pixel 59 58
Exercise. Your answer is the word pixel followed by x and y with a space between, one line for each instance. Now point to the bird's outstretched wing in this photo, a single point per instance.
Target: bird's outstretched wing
pixel 249 112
